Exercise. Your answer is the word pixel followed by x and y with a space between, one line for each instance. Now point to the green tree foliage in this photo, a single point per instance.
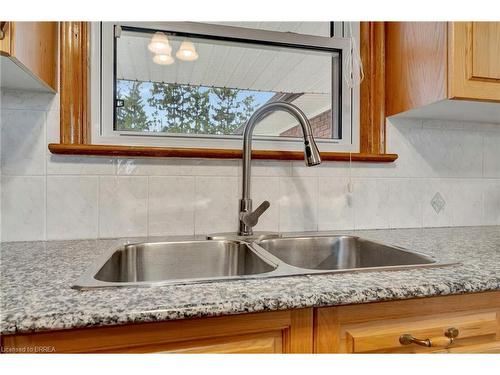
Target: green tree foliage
pixel 132 115
pixel 187 109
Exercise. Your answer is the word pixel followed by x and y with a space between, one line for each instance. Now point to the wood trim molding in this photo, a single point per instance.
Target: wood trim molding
pixel 209 153
pixel 74 71
pixel 372 90
pixel 75 110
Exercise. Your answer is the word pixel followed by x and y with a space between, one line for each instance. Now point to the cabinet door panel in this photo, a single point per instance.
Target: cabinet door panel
pixel 474 61
pixel 5 42
pixel 486 50
pixel 263 343
pixel 378 327
pixel 383 336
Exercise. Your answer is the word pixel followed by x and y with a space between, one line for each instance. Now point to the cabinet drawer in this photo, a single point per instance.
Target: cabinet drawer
pixel 478 328
pixel 262 343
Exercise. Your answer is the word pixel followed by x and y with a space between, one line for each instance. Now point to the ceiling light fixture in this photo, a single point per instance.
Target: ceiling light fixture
pixel 187 51
pixel 159 44
pixel 163 59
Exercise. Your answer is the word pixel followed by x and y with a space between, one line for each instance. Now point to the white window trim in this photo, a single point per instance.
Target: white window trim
pixel 102 95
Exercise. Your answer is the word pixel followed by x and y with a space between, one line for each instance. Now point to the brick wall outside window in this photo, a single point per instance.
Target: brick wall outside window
pixel 321 125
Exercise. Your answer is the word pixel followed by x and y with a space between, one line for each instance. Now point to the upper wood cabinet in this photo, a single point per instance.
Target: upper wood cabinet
pixel 474 60
pixel 430 62
pixel 29 55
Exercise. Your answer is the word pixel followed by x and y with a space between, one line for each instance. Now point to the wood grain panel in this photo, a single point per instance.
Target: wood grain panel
pixel 384 335
pixel 139 151
pixel 372 90
pixel 486 50
pixel 462 84
pixel 35 45
pixel 482 348
pixel 332 323
pixel 5 43
pixel 219 333
pixel 258 343
pixel 416 61
pixel 74 98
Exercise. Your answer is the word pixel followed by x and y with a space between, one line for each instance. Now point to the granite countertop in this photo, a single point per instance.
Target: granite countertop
pixel 36 279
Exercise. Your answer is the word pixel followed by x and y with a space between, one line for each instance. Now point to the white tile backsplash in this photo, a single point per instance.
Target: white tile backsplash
pixel 335 203
pixel 266 188
pixel 72 210
pixel 491 202
pixel 47 196
pixel 216 204
pixel 298 204
pixel 23 142
pixel 171 202
pixel 404 203
pixel 176 167
pixel 492 154
pixel 431 218
pixel 76 165
pixel 467 202
pixel 23 208
pixel 123 209
pixel 371 203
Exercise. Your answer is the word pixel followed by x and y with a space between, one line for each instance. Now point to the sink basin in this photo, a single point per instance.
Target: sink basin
pixel 172 262
pixel 339 253
pixel 187 262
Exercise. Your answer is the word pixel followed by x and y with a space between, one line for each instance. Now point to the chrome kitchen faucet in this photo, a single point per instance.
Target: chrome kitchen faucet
pixel 249 219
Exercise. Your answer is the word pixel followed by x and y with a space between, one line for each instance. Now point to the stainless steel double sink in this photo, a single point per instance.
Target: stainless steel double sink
pixel 186 262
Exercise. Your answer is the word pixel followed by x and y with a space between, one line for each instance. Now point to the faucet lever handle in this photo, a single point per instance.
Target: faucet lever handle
pixel 251 219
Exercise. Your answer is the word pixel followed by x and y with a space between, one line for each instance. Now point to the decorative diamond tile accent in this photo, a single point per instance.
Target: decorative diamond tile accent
pixel 438 202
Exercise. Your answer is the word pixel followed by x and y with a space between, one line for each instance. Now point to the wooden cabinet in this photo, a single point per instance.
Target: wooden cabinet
pixel 29 55
pixel 453 324
pixel 471 320
pixel 269 332
pixel 443 66
pixel 474 66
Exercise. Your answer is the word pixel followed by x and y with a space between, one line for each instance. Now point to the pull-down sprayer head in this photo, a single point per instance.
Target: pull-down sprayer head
pixel 311 156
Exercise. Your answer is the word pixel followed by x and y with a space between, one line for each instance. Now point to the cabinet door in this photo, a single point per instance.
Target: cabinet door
pixel 474 66
pixel 267 332
pixel 476 329
pixel 5 40
pixel 472 321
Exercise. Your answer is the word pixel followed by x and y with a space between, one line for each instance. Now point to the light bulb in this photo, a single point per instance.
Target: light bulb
pixel 187 51
pixel 159 44
pixel 163 59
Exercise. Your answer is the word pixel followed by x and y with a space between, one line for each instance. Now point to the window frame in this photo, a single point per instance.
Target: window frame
pixel 102 89
pixel 75 125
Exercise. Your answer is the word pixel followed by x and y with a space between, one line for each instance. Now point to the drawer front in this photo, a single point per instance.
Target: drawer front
pixel 263 343
pixel 439 333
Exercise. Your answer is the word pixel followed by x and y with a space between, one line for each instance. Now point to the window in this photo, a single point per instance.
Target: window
pixel 195 85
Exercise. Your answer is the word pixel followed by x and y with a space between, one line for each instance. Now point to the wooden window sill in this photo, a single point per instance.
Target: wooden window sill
pixel 140 151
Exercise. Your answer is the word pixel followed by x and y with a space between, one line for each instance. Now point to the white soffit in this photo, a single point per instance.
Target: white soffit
pixel 457 110
pixel 14 76
pixel 258 68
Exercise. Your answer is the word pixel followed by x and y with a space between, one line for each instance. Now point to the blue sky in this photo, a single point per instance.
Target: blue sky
pixel 260 97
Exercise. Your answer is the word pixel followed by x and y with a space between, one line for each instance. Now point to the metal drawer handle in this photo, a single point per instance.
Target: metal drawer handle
pixel 449 335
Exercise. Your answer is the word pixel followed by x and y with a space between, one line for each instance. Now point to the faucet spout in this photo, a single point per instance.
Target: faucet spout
pixel 311 154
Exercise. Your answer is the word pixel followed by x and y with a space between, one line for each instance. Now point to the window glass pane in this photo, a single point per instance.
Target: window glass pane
pixel 211 87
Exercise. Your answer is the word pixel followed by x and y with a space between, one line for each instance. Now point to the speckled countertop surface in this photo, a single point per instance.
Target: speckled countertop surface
pixel 36 279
